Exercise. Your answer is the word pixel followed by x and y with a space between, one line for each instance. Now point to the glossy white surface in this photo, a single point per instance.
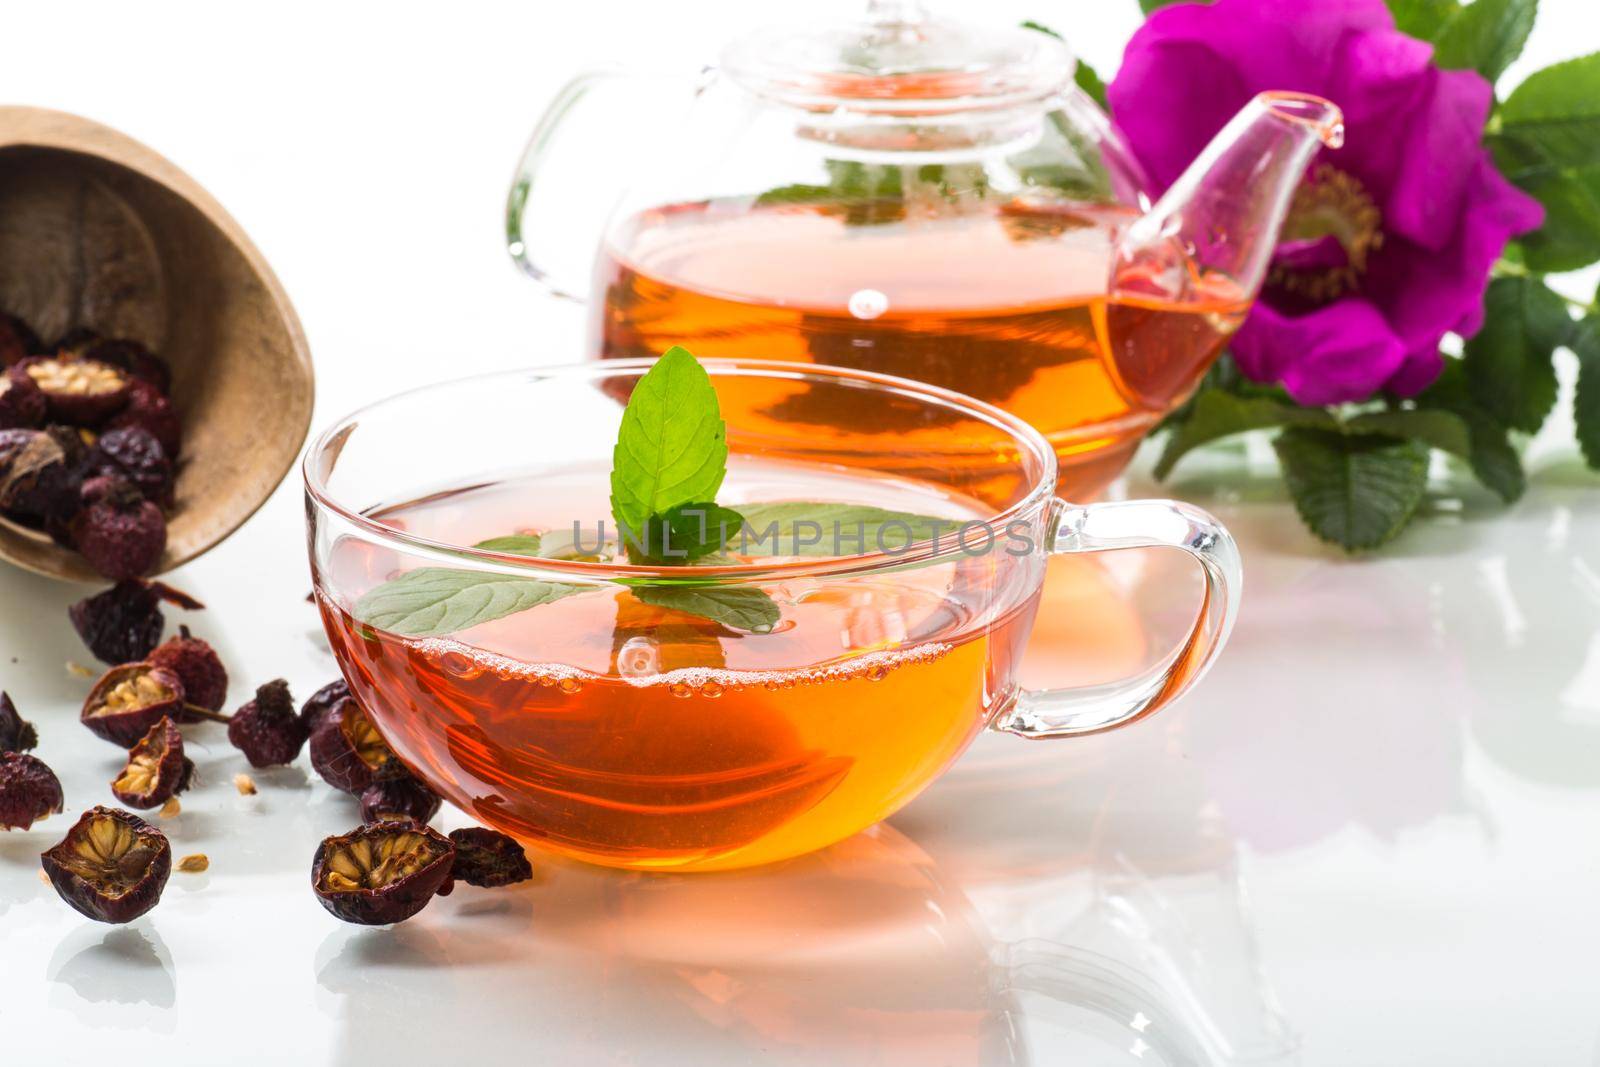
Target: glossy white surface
pixel 1372 836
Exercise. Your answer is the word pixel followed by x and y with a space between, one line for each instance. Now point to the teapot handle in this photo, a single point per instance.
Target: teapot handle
pixel 547 208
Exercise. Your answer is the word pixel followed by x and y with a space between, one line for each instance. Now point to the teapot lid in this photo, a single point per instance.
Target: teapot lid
pixel 898 60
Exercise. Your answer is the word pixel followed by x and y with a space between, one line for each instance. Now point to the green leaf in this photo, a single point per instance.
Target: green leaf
pixel 803 528
pixel 1490 454
pixel 1422 19
pixel 1355 491
pixel 1089 81
pixel 1508 362
pixel 1586 401
pixel 1485 36
pixel 687 532
pixel 1443 430
pixel 738 607
pixel 672 445
pixel 1151 6
pixel 433 601
pixel 512 544
pixel 1569 239
pixel 1556 112
pixel 1216 414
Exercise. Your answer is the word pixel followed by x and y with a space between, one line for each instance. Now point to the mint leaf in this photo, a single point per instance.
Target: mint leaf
pixel 1422 19
pixel 801 528
pixel 738 607
pixel 1586 402
pixel 1215 414
pixel 1508 362
pixel 1556 112
pixel 1485 36
pixel 433 601
pixel 1569 239
pixel 512 545
pixel 672 445
pixel 1355 491
pixel 687 532
pixel 1493 459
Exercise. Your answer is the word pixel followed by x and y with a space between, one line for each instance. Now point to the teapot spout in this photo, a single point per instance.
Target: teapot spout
pixel 1226 210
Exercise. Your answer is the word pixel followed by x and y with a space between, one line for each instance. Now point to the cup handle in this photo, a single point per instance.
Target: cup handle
pixel 1137 524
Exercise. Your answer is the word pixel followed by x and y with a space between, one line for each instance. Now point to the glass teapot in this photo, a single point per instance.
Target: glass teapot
pixel 926 199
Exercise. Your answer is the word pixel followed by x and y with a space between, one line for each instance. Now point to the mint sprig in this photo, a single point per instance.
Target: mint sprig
pixel 670 459
pixel 672 446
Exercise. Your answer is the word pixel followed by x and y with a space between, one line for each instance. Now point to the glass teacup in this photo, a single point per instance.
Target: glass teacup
pixel 643 717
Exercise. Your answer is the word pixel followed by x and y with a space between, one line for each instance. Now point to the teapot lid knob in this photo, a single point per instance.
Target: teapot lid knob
pixel 900 60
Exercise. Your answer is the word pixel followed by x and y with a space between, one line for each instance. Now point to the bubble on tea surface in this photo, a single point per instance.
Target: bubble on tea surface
pixel 868 303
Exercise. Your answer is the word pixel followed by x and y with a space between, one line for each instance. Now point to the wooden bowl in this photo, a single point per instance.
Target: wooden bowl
pixel 98 231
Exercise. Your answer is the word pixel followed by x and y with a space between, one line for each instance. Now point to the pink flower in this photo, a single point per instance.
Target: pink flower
pixel 1390 240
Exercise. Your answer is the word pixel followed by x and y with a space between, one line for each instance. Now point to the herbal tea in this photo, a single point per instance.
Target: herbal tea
pixel 629 733
pixel 1006 302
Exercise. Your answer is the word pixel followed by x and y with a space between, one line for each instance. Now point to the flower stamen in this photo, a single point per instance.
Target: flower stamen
pixel 1332 229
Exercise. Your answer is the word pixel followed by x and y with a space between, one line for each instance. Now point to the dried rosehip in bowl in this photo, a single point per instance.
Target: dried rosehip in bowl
pixel 16 733
pixel 323 701
pixel 17 341
pixel 41 475
pixel 149 410
pixel 128 700
pixel 133 453
pixel 124 623
pixel 29 791
pixel 156 771
pixel 197 665
pixel 266 729
pixel 118 532
pixel 83 392
pixel 111 866
pixel 489 858
pixel 22 406
pixel 141 364
pixel 398 799
pixel 348 751
pixel 381 873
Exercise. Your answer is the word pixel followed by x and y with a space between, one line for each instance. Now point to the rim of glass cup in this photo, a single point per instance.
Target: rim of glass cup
pixel 1028 438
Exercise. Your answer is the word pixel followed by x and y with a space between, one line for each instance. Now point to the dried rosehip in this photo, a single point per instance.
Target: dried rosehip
pixel 489 858
pixel 149 410
pixel 197 665
pixel 156 771
pixel 111 866
pixel 128 355
pixel 124 623
pixel 398 799
pixel 381 873
pixel 16 733
pixel 323 701
pixel 348 751
pixel 83 392
pixel 41 475
pixel 22 406
pixel 17 341
pixel 134 454
pixel 128 700
pixel 118 532
pixel 29 791
pixel 266 729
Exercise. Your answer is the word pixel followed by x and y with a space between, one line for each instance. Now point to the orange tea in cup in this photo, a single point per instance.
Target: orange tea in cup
pixel 620 725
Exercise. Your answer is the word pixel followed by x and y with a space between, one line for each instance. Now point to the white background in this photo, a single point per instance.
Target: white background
pixel 1371 838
